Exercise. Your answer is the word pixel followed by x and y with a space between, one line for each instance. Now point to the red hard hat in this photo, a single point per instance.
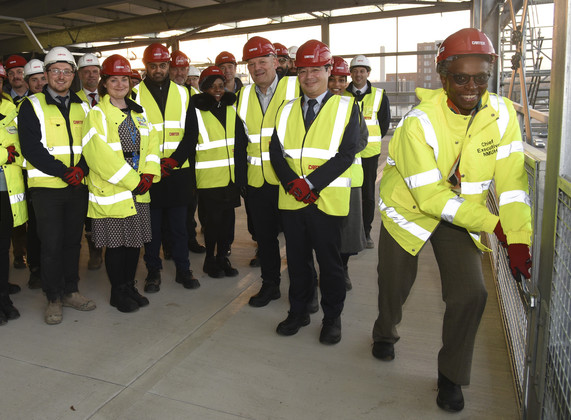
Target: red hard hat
pixel 340 67
pixel 281 50
pixel 313 54
pixel 466 41
pixel 2 71
pixel 225 57
pixel 135 74
pixel 257 47
pixel 156 53
pixel 210 71
pixel 179 59
pixel 15 61
pixel 116 65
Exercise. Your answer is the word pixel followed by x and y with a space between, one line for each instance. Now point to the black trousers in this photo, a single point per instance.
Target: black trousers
pixel 6 222
pixel 263 205
pixel 33 240
pixel 176 217
pixel 219 219
pixel 306 230
pixel 60 214
pixel 370 166
pixel 121 265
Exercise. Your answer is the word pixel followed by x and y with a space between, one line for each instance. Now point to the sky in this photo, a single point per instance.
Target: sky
pixel 349 38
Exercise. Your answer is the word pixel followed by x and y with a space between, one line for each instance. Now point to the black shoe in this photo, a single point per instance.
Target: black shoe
pixel 330 331
pixel 195 247
pixel 153 281
pixel 224 264
pixel 3 319
pixel 136 296
pixel 121 299
pixel 187 279
pixel 267 293
pixel 348 284
pixel 292 324
pixel 35 280
pixel 384 350
pixel 370 244
pixel 13 288
pixel 313 306
pixel 19 262
pixel 450 396
pixel 7 308
pixel 255 262
pixel 212 268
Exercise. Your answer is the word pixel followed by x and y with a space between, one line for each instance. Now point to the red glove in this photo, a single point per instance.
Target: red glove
pixel 12 154
pixel 298 188
pixel 520 260
pixel 311 197
pixel 144 184
pixel 167 166
pixel 73 175
pixel 501 235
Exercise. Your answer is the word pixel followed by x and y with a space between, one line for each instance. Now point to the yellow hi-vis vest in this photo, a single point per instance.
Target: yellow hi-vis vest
pixel 215 149
pixel 111 179
pixel 305 152
pixel 82 95
pixel 414 192
pixel 12 171
pixel 55 138
pixel 171 129
pixel 370 106
pixel 260 127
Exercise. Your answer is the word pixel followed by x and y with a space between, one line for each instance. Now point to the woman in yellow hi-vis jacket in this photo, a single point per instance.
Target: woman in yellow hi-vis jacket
pixel 213 151
pixel 442 159
pixel 13 210
pixel 122 151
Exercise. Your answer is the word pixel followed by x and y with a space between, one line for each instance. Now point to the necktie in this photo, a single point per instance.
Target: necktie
pixel 310 114
pixel 61 100
pixel 358 93
pixel 93 100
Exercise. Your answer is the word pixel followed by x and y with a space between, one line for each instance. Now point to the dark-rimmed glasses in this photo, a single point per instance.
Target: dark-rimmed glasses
pixel 463 78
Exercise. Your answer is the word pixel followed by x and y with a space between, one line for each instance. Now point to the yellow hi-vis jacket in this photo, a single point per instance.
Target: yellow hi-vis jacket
pixel 171 128
pixel 55 138
pixel 370 106
pixel 111 179
pixel 305 152
pixel 414 192
pixel 12 171
pixel 260 127
pixel 84 97
pixel 215 149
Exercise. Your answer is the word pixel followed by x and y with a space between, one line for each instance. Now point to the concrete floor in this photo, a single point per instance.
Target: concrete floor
pixel 206 354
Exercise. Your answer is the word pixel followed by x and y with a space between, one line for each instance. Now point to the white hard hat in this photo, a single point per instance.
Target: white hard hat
pixel 59 54
pixel 34 66
pixel 88 60
pixel 193 71
pixel 292 51
pixel 360 61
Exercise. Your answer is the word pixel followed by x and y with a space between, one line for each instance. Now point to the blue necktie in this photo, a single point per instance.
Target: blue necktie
pixel 310 114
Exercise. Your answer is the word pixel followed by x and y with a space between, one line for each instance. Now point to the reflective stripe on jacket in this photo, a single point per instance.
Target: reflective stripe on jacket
pixel 260 128
pixel 215 149
pixel 171 128
pixel 305 152
pixel 55 138
pixel 12 171
pixel 415 194
pixel 111 179
pixel 370 106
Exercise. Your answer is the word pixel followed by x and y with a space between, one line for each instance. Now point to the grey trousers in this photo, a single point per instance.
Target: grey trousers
pixel 463 292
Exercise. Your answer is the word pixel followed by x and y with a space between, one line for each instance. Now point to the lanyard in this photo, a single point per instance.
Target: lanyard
pixel 133 132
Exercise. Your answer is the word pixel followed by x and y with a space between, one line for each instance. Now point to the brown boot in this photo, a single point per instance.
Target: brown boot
pixel 95 259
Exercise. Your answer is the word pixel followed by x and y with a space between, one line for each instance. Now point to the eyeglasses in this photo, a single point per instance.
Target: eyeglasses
pixel 283 60
pixel 463 78
pixel 57 72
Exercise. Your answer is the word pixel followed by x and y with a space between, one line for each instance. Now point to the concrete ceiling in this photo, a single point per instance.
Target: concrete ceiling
pixel 30 25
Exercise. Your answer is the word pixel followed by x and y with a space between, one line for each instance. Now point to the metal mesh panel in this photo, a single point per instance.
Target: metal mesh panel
pixel 557 396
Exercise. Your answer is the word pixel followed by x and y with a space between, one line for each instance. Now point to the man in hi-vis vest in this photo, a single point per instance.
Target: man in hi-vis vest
pixel 312 148
pixel 50 126
pixel 257 105
pixel 376 111
pixel 167 107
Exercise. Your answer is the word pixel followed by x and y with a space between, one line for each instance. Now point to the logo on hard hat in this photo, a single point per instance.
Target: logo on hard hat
pixel 478 43
pixel 253 49
pixel 309 56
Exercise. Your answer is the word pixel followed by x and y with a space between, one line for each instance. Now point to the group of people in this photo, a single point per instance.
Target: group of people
pixel 132 161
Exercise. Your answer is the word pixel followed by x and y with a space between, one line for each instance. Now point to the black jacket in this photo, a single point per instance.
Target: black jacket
pixel 30 137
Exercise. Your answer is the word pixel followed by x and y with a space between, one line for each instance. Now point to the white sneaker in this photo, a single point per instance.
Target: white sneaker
pixel 77 301
pixel 54 313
